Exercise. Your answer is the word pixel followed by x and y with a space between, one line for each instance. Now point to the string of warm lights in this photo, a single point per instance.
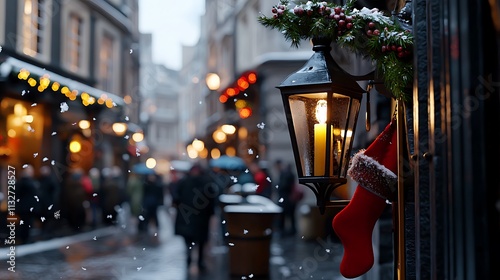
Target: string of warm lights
pixel 43 82
pixel 241 84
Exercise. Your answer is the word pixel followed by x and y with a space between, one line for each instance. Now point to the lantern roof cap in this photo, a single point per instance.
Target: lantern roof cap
pixel 322 72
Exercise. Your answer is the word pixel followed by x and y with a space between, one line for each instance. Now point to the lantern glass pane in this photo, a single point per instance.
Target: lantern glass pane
pixel 347 134
pixel 310 119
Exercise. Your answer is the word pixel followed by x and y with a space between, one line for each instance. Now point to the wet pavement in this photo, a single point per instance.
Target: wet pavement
pixel 118 252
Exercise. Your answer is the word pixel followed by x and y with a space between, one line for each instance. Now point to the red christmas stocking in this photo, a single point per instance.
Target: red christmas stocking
pixel 354 226
pixel 375 170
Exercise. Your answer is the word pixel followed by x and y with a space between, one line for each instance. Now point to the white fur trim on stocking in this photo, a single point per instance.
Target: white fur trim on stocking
pixel 372 175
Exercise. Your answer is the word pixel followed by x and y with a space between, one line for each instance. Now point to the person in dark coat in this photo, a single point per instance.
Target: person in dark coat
pixel 28 205
pixel 195 200
pixel 111 195
pixel 152 198
pixel 73 198
pixel 49 200
pixel 286 183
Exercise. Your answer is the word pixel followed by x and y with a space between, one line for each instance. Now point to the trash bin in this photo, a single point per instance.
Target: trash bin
pixel 313 224
pixel 250 231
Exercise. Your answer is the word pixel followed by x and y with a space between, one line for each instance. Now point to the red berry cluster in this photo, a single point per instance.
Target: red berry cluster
pixel 278 10
pixel 343 22
pixel 401 52
pixel 372 29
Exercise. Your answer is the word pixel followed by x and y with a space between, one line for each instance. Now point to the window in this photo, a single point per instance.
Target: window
pixel 106 63
pixel 34 27
pixel 75 40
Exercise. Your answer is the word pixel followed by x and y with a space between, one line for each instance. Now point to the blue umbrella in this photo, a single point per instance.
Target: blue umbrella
pixel 141 168
pixel 228 163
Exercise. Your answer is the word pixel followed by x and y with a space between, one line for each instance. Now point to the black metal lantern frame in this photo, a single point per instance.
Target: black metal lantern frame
pixel 321 104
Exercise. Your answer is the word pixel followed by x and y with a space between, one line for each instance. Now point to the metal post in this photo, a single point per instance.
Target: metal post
pixel 401 262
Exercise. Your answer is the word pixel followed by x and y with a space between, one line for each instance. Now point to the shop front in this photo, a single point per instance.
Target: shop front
pixel 49 119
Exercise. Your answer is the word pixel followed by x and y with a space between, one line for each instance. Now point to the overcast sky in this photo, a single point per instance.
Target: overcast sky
pixel 173 23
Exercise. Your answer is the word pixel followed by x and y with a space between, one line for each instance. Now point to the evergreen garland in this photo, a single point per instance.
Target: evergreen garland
pixel 367 32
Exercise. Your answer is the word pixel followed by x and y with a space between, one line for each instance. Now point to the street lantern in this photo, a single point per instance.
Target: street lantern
pixel 321 104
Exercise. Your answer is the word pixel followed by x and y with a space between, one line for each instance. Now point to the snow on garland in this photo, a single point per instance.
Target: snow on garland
pixel 367 31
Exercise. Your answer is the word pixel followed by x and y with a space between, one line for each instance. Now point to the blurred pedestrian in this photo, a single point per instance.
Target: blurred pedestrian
pixel 171 188
pixel 49 200
pixel 261 178
pixel 95 177
pixel 112 195
pixel 73 197
pixel 134 196
pixel 286 184
pixel 27 206
pixel 152 198
pixel 195 202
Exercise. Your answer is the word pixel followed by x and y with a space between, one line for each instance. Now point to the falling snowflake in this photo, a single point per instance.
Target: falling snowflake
pixel 35 154
pixel 53 162
pixel 268 179
pixel 281 200
pixel 131 51
pixel 37 199
pixel 109 216
pixel 57 214
pixel 45 159
pixel 250 151
pixel 1 49
pixel 231 244
pixel 327 250
pixel 64 107
pixel 250 276
pixel 54 133
pixel 84 268
pixel 95 238
pixel 21 222
pixel 141 218
pixel 24 92
pixel 67 247
pixel 137 152
pixel 30 129
pixel 94 194
pixel 33 105
pixel 223 222
pixel 139 268
pixel 50 206
pixel 156 234
pixel 226 234
pixel 126 137
pixel 31 209
pixel 261 125
pixel 25 165
pixel 126 118
pixel 42 219
pixel 245 231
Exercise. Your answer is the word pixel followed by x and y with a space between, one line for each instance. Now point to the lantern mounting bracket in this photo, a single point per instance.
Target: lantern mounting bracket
pixel 323 190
